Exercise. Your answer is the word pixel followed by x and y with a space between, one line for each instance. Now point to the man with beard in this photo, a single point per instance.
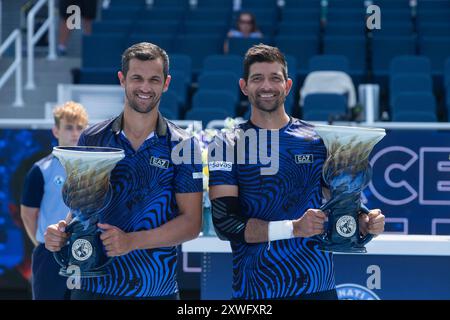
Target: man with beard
pixel 270 217
pixel 157 197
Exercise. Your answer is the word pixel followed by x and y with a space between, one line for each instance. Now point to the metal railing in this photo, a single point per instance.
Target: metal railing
pixel 33 38
pixel 16 66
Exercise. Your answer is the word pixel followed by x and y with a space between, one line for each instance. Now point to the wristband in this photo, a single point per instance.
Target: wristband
pixel 279 230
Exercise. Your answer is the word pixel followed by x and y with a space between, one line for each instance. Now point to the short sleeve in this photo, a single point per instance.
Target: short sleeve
pixel 189 173
pixel 222 161
pixel 33 190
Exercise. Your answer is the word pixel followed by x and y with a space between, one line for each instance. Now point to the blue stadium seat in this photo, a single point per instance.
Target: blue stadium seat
pixel 198 47
pixel 120 14
pixel 239 46
pixel 345 5
pixel 215 99
pixel 169 115
pixel 384 49
pixel 434 5
pixel 300 28
pixel 219 80
pixel 164 41
pixel 111 46
pixel 437 49
pixel 207 114
pixel 310 15
pixel 216 4
pixel 392 16
pixel 205 27
pixel 414 116
pixel 305 4
pixel 393 4
pixel 410 64
pixel 414 101
pixel 300 47
pixel 220 62
pixel 317 115
pixel 170 4
pixel 447 72
pixel 433 15
pixel 211 15
pixel 434 29
pixel 346 28
pixel 121 4
pixel 329 63
pixel 401 83
pixel 354 48
pixel 170 104
pixel 181 62
pixel 179 85
pixel 158 27
pixel 252 5
pixel 394 29
pixel 292 66
pixel 343 15
pixel 164 14
pixel 324 103
pixel 112 27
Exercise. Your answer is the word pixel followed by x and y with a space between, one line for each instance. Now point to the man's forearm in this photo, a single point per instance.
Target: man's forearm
pixel 172 233
pixel 257 231
pixel 30 227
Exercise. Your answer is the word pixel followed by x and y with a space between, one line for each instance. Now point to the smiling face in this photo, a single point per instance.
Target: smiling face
pixel 266 86
pixel 144 84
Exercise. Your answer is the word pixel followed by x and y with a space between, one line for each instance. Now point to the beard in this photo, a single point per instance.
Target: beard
pixel 267 106
pixel 138 107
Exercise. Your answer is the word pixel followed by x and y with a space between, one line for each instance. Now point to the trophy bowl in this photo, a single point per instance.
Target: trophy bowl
pixel 86 192
pixel 347 172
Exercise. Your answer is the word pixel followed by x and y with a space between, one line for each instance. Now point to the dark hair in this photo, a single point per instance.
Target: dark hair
pixel 252 16
pixel 264 53
pixel 144 51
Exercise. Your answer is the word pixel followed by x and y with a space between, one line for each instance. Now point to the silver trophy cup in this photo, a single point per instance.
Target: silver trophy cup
pixel 347 172
pixel 86 192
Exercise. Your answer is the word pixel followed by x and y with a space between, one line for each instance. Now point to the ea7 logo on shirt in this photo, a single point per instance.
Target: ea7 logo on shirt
pixel 220 166
pixel 160 163
pixel 304 158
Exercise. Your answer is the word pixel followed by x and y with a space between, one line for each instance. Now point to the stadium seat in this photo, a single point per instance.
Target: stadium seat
pixel 164 41
pixel 447 72
pixel 437 49
pixel 179 85
pixel 205 27
pixel 384 49
pixel 112 27
pixel 410 64
pixel 239 46
pixel 181 62
pixel 170 104
pixel 300 47
pixel 414 116
pixel 329 63
pixel 215 99
pixel 169 27
pixel 324 104
pixel 354 48
pixel 219 80
pixel 414 101
pixel 220 62
pixel 198 47
pixel 207 114
pixel 401 83
pixel 294 28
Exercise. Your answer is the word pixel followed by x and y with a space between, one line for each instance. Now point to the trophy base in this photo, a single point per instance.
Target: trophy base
pixel 84 274
pixel 339 248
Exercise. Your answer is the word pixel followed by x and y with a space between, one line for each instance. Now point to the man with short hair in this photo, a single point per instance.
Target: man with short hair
pixel 157 191
pixel 268 211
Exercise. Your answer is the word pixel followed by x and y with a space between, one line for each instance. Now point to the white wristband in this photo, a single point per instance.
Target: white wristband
pixel 279 230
